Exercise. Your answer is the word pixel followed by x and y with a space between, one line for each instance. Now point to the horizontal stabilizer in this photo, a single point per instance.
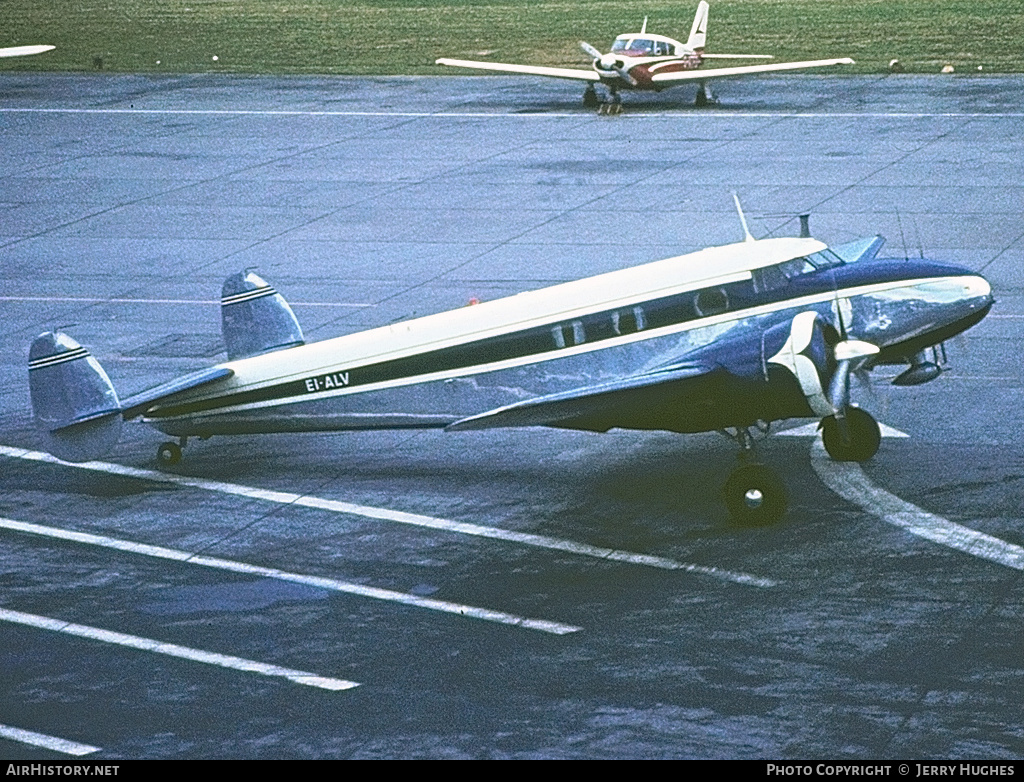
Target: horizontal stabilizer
pixel 590 402
pixel 255 318
pixel 139 403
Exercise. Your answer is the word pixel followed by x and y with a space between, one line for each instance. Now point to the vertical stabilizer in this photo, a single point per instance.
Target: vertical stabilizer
pixel 699 31
pixel 255 318
pixel 73 401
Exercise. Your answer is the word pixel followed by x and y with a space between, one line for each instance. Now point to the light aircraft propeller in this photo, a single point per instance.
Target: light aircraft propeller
pixel 608 62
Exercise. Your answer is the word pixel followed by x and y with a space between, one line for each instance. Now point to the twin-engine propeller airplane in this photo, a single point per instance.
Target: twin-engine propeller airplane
pixel 725 339
pixel 642 61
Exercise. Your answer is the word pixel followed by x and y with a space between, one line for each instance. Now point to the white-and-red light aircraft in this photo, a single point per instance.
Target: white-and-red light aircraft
pixel 644 61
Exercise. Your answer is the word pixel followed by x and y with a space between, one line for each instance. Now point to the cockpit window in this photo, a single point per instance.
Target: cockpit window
pixel 634 45
pixel 772 277
pixel 826 259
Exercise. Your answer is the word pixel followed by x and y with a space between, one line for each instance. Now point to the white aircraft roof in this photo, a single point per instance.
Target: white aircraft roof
pixel 625 287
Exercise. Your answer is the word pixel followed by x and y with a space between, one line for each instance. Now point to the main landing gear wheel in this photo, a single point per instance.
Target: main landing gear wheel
pixel 168 454
pixel 590 99
pixel 755 495
pixel 857 441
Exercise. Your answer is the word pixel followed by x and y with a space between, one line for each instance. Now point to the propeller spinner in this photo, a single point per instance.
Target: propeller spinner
pixel 608 62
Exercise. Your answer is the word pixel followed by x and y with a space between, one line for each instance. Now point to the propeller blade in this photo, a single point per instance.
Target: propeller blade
pixel 625 75
pixel 590 50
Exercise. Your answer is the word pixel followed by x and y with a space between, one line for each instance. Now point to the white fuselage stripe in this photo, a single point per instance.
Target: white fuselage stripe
pixel 847 479
pixel 174 650
pixel 537 358
pixel 400 517
pixel 318 582
pixel 52 743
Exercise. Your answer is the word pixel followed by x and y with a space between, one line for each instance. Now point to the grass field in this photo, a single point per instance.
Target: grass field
pixel 405 36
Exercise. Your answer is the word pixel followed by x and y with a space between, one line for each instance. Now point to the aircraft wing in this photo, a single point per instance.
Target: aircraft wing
pixel 603 406
pixel 139 403
pixel 703 74
pixel 24 51
pixel 533 70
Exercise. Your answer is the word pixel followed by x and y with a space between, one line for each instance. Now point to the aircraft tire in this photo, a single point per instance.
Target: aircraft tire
pixel 168 454
pixel 864 436
pixel 590 99
pixel 755 495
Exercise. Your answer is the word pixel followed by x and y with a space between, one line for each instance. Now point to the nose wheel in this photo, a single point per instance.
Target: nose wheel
pixel 613 106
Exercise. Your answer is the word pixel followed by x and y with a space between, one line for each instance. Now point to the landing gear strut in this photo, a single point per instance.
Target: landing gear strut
pixel 613 105
pixel 854 437
pixel 754 494
pixel 705 97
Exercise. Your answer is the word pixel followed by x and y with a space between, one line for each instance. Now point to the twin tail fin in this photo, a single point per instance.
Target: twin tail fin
pixel 74 404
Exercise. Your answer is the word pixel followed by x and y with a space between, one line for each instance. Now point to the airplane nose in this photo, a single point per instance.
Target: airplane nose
pixel 978 288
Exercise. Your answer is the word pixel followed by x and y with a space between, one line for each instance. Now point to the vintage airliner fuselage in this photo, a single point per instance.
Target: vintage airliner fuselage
pixel 724 338
pixel 705 307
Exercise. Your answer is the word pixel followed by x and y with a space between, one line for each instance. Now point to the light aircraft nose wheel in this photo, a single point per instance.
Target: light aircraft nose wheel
pixel 860 440
pixel 168 454
pixel 755 495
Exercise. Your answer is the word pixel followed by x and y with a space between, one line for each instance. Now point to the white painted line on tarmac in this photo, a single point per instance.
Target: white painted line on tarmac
pixel 413 519
pixel 811 430
pixel 848 480
pixel 315 581
pixel 46 742
pixel 173 650
pixel 703 116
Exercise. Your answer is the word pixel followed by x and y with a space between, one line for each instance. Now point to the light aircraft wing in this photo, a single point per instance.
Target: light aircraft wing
pixel 618 403
pixel 139 403
pixel 23 51
pixel 534 70
pixel 703 74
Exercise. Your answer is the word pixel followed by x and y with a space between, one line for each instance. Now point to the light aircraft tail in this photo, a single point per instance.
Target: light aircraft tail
pixel 255 318
pixel 73 401
pixel 75 406
pixel 699 31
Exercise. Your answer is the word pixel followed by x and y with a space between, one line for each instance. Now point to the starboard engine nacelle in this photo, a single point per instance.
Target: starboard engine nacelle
pixel 255 318
pixel 74 404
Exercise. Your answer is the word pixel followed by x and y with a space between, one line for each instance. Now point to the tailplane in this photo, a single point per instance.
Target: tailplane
pixel 255 318
pixel 699 31
pixel 74 404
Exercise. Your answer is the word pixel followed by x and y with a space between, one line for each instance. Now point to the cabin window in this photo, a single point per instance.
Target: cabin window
pixel 711 301
pixel 638 317
pixel 628 321
pixel 770 278
pixel 568 334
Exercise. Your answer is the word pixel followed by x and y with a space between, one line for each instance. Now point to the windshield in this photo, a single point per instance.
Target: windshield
pixel 633 45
